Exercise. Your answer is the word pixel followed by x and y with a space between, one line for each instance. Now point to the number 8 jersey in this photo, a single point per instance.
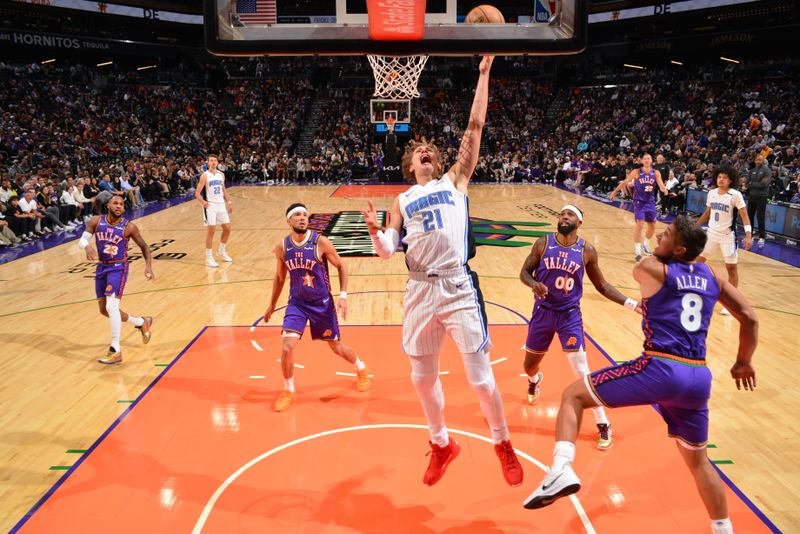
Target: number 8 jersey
pixel 675 320
pixel 561 270
pixel 436 224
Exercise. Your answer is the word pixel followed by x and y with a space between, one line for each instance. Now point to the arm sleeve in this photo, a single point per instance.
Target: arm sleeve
pixel 386 243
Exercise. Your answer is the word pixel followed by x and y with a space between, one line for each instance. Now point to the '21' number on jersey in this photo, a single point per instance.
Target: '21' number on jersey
pixel 428 223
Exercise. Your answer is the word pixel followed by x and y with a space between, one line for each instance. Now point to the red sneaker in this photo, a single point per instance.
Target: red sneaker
pixel 440 459
pixel 512 470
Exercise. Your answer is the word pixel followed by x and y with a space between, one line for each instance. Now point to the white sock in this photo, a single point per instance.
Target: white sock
pixel 359 364
pixel 600 415
pixel 137 321
pixel 209 253
pixel 638 248
pixel 534 379
pixel 563 454
pixel 288 383
pixel 115 318
pixel 222 248
pixel 722 526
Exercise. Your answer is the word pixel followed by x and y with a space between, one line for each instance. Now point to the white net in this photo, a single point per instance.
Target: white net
pixel 397 77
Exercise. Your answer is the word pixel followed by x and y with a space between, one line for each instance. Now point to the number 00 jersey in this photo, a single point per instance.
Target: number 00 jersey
pixel 561 270
pixel 436 224
pixel 675 320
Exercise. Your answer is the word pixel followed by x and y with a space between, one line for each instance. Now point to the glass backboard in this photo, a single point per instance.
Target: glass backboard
pixel 324 27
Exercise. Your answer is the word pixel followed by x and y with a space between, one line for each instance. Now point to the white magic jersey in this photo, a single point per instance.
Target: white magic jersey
pixel 214 184
pixel 724 208
pixel 436 223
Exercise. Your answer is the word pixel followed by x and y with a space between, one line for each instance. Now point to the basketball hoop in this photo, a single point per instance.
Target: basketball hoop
pixel 397 77
pixel 390 124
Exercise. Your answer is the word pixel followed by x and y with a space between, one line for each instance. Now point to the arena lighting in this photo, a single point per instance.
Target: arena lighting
pixel 610 86
pixel 729 60
pixel 48 61
pixel 104 64
pixel 632 66
pixel 146 67
pixel 675 62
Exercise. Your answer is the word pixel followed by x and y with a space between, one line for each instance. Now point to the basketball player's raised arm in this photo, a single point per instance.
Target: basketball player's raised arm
pixel 327 249
pixel 628 179
pixel 660 183
pixel 385 241
pixel 650 273
pixel 735 302
pixel 530 265
pixel 277 282
pixel 467 159
pixel 85 240
pixel 600 283
pixel 133 232
pixel 201 185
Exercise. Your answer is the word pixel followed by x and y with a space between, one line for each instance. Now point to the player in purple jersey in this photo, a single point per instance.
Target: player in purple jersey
pixel 678 297
pixel 111 232
pixel 645 179
pixel 304 255
pixel 554 271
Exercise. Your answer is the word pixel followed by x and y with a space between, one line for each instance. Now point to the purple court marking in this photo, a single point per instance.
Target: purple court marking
pixel 781 252
pixel 734 488
pixel 8 254
pixel 103 436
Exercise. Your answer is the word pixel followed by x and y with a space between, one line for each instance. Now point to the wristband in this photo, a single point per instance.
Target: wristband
pixel 84 241
pixel 630 304
pixel 342 294
pixel 748 229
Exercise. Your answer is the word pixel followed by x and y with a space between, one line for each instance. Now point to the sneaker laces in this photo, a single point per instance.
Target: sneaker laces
pixel 509 456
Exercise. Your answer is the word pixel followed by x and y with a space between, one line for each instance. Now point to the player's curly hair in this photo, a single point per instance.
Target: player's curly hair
pixel 405 162
pixel 728 170
pixel 691 236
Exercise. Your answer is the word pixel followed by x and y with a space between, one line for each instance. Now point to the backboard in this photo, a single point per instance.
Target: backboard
pixel 340 27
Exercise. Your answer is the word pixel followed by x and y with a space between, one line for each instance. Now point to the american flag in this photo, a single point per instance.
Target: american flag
pixel 257 11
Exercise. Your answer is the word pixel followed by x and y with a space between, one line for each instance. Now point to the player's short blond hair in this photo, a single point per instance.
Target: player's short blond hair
pixel 405 163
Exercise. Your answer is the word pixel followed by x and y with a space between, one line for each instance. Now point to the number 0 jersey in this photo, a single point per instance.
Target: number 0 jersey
pixel 436 224
pixel 675 320
pixel 561 270
pixel 112 245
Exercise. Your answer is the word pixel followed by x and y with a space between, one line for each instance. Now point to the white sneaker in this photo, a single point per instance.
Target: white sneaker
pixel 646 249
pixel 210 262
pixel 761 242
pixel 224 256
pixel 724 311
pixel 553 487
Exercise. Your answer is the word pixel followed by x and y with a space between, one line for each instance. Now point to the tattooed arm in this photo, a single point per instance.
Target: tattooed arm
pixel 461 172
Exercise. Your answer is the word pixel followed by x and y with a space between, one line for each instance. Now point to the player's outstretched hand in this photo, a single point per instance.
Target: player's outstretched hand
pixel 91 253
pixel 486 64
pixel 342 306
pixel 371 217
pixel 745 375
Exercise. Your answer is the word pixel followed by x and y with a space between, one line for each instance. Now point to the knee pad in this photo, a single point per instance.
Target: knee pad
pixel 479 373
pixel 112 304
pixel 577 361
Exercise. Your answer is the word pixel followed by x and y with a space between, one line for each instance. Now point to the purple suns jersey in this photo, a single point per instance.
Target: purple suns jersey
pixel 561 270
pixel 112 245
pixel 308 275
pixel 675 320
pixel 644 187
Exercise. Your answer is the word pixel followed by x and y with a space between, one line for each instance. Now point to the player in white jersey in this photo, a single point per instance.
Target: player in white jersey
pixel 217 207
pixel 442 294
pixel 722 206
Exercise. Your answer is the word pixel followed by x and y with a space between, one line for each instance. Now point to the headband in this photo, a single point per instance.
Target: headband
pixel 574 210
pixel 295 210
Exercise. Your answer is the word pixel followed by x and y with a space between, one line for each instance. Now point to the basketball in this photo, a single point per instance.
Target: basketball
pixel 485 14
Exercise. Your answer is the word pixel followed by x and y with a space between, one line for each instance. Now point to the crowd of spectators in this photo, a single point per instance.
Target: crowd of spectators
pixel 68 132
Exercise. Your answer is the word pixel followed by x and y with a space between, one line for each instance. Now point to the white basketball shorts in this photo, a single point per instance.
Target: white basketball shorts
pixel 216 213
pixel 725 243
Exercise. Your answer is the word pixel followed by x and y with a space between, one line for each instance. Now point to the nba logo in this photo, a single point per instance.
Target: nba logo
pixel 544 10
